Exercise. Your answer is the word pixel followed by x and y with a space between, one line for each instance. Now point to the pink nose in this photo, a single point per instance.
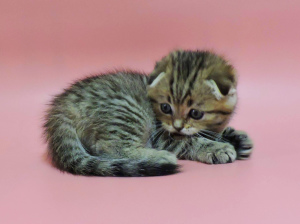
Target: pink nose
pixel 178 129
pixel 178 125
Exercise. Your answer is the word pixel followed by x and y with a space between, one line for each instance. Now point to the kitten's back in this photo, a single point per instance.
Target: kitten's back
pixel 102 125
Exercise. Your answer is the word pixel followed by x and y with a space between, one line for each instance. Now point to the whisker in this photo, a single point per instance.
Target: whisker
pixel 164 142
pixel 215 136
pixel 171 136
pixel 220 136
pixel 156 133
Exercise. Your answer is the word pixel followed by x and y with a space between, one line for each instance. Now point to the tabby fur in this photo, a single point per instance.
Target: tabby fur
pixel 113 125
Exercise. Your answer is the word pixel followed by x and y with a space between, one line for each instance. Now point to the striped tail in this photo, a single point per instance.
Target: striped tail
pixel 81 163
pixel 68 154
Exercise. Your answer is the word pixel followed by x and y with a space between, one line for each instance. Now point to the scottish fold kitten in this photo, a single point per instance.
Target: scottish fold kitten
pixel 132 124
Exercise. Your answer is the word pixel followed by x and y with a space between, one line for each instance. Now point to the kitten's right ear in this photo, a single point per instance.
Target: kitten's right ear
pixel 162 67
pixel 157 80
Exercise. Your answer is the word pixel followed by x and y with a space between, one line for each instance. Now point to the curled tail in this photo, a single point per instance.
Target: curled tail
pixel 78 162
pixel 68 154
pixel 84 164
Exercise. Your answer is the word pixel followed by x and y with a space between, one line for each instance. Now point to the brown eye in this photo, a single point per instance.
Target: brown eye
pixel 196 114
pixel 166 108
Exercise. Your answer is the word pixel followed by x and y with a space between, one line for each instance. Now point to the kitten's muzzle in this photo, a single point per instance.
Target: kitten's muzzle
pixel 178 125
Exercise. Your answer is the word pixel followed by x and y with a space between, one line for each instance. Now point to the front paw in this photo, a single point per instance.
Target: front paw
pixel 241 142
pixel 221 153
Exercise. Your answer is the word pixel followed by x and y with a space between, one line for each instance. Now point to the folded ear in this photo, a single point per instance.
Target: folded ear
pixel 161 68
pixel 157 80
pixel 222 84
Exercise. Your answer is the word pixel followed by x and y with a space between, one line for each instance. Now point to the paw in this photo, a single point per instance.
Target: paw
pixel 165 157
pixel 223 153
pixel 241 142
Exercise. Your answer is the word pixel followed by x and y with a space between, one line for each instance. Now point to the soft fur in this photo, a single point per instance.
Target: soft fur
pixel 114 125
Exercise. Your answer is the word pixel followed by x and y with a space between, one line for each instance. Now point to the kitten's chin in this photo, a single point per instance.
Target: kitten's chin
pixel 178 135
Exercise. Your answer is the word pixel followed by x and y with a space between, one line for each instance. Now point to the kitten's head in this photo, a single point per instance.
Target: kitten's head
pixel 193 91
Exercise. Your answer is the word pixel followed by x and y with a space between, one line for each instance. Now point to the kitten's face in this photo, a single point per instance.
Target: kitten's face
pixel 192 91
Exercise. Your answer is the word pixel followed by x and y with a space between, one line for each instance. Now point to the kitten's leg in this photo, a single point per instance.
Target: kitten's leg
pixel 149 154
pixel 211 152
pixel 138 160
pixel 204 150
pixel 241 142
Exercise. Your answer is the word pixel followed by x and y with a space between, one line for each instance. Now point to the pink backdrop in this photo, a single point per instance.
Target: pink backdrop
pixel 45 45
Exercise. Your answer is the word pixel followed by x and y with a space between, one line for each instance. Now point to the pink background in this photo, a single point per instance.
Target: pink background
pixel 45 45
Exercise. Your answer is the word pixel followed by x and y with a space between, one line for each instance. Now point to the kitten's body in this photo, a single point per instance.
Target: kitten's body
pixel 111 124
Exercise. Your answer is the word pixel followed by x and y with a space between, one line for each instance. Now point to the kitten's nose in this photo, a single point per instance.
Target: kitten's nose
pixel 178 129
pixel 178 125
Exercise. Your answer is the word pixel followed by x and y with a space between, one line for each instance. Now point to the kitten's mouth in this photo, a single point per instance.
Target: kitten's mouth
pixel 177 135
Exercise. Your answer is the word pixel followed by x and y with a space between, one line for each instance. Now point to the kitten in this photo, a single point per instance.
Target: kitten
pixel 131 124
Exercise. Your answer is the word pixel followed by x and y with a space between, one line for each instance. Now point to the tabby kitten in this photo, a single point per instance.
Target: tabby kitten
pixel 131 124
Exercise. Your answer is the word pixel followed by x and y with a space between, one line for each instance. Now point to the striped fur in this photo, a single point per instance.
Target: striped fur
pixel 202 81
pixel 101 126
pixel 195 80
pixel 111 124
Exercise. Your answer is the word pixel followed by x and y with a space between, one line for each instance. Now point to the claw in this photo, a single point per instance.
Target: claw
pixel 214 159
pixel 230 160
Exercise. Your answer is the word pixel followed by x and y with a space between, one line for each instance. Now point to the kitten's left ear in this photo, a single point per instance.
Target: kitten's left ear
pixel 222 85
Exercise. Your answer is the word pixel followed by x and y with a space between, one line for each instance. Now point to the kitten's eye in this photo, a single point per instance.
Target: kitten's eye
pixel 166 108
pixel 196 114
